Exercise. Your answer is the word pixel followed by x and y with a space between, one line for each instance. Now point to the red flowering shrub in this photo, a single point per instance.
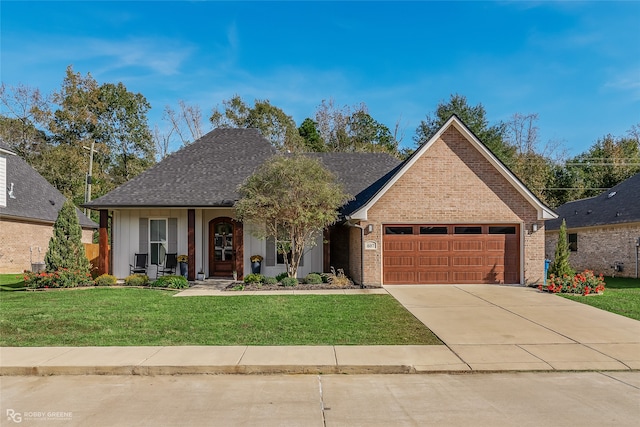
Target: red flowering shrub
pixel 62 278
pixel 584 283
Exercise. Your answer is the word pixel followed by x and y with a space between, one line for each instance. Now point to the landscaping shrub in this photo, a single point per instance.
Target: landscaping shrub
pixel 66 250
pixel 313 279
pixel 289 281
pixel 560 265
pixel 270 281
pixel 137 280
pixel 584 283
pixel 106 280
pixel 254 278
pixel 172 282
pixel 63 278
pixel 281 276
pixel 338 278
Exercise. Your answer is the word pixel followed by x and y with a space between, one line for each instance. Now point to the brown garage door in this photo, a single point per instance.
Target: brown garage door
pixel 441 254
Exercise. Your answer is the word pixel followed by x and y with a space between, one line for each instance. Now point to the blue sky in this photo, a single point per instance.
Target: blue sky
pixel 575 64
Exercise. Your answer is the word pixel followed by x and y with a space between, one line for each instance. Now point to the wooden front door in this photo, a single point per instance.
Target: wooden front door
pixel 225 247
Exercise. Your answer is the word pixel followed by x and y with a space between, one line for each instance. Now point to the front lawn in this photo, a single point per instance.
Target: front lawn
pixel 621 296
pixel 127 317
pixel 12 282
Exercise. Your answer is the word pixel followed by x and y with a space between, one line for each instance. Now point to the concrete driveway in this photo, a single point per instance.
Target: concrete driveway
pixel 494 327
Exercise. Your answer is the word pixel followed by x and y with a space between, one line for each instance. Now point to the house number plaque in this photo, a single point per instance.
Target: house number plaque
pixel 371 245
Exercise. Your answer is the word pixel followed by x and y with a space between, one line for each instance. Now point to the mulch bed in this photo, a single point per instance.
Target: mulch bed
pixel 279 287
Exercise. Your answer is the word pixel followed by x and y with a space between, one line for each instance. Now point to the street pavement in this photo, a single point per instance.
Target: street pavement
pixel 507 399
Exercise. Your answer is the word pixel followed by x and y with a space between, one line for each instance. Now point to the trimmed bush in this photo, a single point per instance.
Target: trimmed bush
pixel 106 280
pixel 270 281
pixel 171 282
pixel 254 278
pixel 313 279
pixel 289 281
pixel 63 278
pixel 137 280
pixel 281 276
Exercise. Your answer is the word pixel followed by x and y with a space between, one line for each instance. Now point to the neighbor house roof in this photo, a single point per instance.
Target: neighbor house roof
pixel 30 196
pixel 208 172
pixel 620 204
pixel 544 212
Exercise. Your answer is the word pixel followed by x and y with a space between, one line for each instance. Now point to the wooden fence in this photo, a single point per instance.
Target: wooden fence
pixel 92 250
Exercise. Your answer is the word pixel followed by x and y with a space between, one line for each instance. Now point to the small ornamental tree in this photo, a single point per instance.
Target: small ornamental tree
pixel 291 199
pixel 65 246
pixel 560 265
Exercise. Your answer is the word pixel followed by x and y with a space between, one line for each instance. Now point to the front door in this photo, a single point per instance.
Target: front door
pixel 225 242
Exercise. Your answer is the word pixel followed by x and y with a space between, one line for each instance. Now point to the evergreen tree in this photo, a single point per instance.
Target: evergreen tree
pixel 560 265
pixel 65 247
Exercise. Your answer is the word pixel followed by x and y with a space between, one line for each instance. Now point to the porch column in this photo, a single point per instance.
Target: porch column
pixel 103 243
pixel 191 242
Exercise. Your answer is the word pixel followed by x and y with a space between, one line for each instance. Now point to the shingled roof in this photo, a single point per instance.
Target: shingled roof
pixel 208 172
pixel 33 197
pixel 619 205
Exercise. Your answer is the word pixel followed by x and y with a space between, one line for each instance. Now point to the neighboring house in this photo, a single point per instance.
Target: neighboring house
pixel 451 213
pixel 603 231
pixel 29 206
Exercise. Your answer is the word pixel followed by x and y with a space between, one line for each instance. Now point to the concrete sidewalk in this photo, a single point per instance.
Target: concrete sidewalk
pixel 485 328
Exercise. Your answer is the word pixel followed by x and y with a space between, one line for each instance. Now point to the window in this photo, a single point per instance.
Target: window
pixel 433 230
pixel 468 230
pixel 157 240
pixel 502 230
pixel 282 245
pixel 398 230
pixel 573 242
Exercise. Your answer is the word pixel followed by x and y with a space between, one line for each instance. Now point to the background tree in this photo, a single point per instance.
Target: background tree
pixel 65 246
pixel 186 122
pixel 110 117
pixel 560 265
pixel 292 199
pixel 274 124
pixel 353 129
pixel 313 142
pixel 25 113
pixel 475 119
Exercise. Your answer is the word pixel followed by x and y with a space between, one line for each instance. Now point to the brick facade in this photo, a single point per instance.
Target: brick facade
pixel 599 248
pixel 22 243
pixel 452 182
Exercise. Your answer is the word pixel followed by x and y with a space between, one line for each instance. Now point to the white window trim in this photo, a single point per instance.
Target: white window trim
pixel 163 243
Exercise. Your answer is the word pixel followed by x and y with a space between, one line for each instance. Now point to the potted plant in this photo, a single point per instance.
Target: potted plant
pixel 256 263
pixel 183 259
pixel 201 274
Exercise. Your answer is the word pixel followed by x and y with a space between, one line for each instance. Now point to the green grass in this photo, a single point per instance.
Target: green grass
pixel 11 282
pixel 621 296
pixel 127 317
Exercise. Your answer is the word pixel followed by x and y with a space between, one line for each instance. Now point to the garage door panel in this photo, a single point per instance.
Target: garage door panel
pixel 399 261
pixel 429 261
pixel 433 277
pixel 399 246
pixel 433 245
pixel 495 245
pixel 468 277
pixel 495 261
pixel 468 245
pixel 400 277
pixel 467 261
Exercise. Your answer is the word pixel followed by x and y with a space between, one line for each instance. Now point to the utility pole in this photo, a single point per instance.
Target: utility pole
pixel 89 180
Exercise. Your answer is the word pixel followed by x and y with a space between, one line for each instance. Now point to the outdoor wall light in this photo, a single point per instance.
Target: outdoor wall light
pixel 369 228
pixel 534 227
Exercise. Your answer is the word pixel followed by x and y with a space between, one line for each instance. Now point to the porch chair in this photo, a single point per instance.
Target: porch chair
pixel 169 266
pixel 139 265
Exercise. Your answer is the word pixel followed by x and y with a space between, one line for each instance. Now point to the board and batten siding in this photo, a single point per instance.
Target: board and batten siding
pixel 3 180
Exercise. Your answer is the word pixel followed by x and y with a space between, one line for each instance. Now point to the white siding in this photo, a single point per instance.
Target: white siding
pixel 3 180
